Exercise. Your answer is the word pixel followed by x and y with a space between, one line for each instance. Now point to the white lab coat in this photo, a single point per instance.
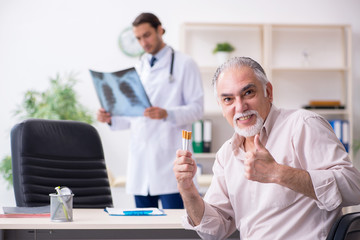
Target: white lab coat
pixel 153 143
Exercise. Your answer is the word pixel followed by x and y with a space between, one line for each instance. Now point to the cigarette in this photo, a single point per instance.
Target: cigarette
pixel 186 139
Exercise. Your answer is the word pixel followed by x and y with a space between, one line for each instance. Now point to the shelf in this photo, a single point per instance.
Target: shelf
pixel 204 180
pixel 330 111
pixel 296 45
pixel 315 69
pixel 304 62
pixel 207 35
pixel 219 27
pixel 204 155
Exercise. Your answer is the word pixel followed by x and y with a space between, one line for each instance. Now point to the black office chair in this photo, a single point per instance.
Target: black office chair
pixel 51 153
pixel 347 227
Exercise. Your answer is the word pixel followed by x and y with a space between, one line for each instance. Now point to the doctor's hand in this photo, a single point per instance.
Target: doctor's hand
pixel 103 116
pixel 184 169
pixel 260 166
pixel 155 113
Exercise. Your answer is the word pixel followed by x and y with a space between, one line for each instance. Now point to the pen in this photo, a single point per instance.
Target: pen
pixel 137 213
pixel 64 206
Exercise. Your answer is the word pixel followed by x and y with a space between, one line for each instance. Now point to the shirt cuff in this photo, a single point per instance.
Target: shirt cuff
pixel 171 116
pixel 326 189
pixel 209 224
pixel 119 123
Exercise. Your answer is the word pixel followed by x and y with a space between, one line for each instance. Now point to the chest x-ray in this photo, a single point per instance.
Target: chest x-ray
pixel 121 93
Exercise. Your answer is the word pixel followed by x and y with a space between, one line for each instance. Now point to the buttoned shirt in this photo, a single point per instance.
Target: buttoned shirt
pixel 296 138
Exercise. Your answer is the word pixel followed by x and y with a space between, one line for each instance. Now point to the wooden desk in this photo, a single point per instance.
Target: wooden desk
pixel 97 224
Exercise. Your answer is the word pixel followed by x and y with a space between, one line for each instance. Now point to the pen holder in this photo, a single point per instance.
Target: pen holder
pixel 61 207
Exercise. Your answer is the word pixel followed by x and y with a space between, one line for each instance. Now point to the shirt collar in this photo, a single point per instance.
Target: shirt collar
pixel 159 54
pixel 270 120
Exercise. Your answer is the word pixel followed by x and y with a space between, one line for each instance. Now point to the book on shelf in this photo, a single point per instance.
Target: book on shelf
pixel 207 137
pixel 324 107
pixel 342 131
pixel 202 136
pixel 332 104
pixel 197 140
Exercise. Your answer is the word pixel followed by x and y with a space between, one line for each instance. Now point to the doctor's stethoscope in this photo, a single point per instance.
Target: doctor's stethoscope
pixel 171 77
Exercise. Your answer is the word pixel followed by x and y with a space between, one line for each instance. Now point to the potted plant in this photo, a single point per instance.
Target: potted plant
pixel 58 102
pixel 222 51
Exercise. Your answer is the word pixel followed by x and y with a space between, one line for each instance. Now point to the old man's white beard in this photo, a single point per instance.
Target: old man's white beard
pixel 252 130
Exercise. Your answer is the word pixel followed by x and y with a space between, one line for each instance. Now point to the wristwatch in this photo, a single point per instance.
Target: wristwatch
pixel 128 43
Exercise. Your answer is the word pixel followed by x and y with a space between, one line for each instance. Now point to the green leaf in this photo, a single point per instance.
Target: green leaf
pixel 58 102
pixel 223 47
pixel 6 170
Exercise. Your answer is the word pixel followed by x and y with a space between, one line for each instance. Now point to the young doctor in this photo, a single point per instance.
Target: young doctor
pixel 173 83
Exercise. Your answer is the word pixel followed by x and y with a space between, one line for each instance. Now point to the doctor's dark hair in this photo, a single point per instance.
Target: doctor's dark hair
pixel 147 18
pixel 238 62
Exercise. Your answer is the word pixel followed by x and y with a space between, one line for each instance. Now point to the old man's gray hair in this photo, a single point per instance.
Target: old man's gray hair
pixel 238 62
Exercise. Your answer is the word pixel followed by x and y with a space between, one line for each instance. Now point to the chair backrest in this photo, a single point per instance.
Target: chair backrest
pixel 347 227
pixel 51 153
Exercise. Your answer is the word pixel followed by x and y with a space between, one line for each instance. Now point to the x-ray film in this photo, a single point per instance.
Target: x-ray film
pixel 121 93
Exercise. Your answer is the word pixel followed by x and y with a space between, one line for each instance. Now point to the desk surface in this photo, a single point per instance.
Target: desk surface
pixel 99 219
pixel 97 224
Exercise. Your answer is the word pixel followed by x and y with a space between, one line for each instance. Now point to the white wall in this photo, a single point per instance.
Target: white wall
pixel 39 38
